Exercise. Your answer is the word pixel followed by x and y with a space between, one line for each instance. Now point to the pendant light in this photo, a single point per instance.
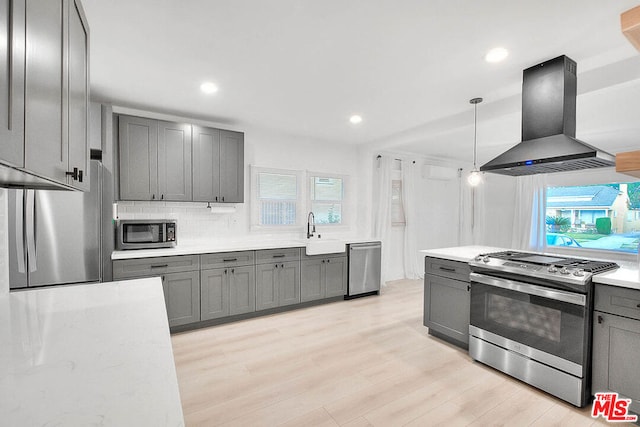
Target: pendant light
pixel 474 177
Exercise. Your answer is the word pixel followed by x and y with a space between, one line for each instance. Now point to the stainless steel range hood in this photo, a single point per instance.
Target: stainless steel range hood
pixel 549 126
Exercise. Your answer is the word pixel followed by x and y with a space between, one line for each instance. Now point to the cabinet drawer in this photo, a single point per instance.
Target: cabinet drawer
pixel 227 259
pixel 130 268
pixel 615 300
pixel 323 256
pixel 447 268
pixel 267 256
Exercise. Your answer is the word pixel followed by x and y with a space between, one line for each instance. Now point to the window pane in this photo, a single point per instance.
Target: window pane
pixel 326 188
pixel 277 186
pixel 603 217
pixel 397 209
pixel 327 213
pixel 275 212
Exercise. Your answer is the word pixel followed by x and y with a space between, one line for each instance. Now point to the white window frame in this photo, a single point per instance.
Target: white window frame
pixel 255 203
pixel 345 203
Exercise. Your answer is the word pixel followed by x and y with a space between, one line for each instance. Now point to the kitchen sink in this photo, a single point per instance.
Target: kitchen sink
pixel 325 246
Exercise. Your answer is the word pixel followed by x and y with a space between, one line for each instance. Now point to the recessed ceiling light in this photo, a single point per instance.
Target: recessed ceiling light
pixel 355 119
pixel 496 54
pixel 208 88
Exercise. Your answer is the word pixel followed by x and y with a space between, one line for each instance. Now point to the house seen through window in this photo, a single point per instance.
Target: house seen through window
pixel 604 217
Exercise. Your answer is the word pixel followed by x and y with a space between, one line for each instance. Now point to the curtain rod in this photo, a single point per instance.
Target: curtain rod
pixel 380 155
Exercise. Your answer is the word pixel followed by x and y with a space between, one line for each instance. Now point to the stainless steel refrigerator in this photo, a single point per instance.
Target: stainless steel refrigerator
pixel 55 236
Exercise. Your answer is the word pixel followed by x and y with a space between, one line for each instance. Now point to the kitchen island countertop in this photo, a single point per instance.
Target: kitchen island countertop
pixel 460 253
pixel 94 354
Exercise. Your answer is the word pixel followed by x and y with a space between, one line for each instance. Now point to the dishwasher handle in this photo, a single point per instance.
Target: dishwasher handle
pixel 365 247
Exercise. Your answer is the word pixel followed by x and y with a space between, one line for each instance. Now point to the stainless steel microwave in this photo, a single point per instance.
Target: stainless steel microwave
pixel 146 233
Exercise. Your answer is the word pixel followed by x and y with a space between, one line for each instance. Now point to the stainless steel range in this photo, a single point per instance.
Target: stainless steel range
pixel 531 318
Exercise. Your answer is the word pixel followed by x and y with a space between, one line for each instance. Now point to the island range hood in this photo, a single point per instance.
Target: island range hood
pixel 549 126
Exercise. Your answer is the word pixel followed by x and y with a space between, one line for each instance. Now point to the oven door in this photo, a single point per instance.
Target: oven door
pixel 545 324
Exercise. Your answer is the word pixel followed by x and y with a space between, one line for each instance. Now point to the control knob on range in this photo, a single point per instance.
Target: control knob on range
pixel 564 270
pixel 552 269
pixel 579 272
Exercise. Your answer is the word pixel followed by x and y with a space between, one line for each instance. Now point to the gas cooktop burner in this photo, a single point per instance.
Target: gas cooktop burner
pixel 548 270
pixel 591 266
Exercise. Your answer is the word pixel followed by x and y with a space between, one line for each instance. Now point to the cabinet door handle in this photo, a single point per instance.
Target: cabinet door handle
pixel 160 266
pixel 328 260
pixel 449 269
pixel 600 319
pixel 230 259
pixel 233 270
pixel 225 271
pixel 638 305
pixel 276 265
pixel 73 174
pixel 80 175
pixel 153 197
pixel 281 265
pixel 163 279
pixel 216 198
pixel 323 261
pixel 468 288
pixel 279 256
pixel 223 198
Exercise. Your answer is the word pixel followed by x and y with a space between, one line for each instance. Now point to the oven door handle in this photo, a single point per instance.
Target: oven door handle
pixel 541 291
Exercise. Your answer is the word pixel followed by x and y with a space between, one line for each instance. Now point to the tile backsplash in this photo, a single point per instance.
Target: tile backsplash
pixel 195 220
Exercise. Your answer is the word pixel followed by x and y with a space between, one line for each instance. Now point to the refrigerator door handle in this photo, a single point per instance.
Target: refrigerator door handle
pixel 30 218
pixel 20 254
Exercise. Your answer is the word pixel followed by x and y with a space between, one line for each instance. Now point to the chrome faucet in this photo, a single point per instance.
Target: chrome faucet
pixel 311 225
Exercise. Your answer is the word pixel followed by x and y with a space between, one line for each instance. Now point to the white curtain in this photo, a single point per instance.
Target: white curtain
pixel 529 221
pixel 382 207
pixel 410 184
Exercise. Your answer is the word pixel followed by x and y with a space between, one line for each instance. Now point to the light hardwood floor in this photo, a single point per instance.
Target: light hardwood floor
pixel 364 362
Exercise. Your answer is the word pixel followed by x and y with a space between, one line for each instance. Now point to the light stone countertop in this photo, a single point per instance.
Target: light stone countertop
pixel 460 253
pixel 95 354
pixel 203 247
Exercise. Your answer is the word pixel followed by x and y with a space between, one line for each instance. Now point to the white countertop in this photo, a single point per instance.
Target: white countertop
pixel 97 354
pixel 627 276
pixel 460 253
pixel 193 248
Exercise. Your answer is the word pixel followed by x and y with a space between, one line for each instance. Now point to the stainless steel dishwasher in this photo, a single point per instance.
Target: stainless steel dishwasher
pixel 364 269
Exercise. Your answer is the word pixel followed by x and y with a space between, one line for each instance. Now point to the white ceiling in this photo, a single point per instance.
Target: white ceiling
pixel 408 67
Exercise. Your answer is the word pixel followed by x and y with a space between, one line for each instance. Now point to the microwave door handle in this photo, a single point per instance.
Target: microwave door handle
pixel 20 253
pixel 526 288
pixel 30 219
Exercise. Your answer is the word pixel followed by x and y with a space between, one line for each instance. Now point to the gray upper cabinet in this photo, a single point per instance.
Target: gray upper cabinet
pixel 44 106
pixel 155 159
pixel 12 82
pixel 218 165
pixel 174 161
pixel 78 97
pixel 206 164
pixel 231 166
pixel 138 150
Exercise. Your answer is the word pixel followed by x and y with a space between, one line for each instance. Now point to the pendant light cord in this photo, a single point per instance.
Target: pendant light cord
pixel 475 102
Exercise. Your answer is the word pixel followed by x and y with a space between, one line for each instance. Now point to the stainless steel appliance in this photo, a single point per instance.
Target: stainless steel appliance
pixel 146 233
pixel 364 269
pixel 531 318
pixel 55 236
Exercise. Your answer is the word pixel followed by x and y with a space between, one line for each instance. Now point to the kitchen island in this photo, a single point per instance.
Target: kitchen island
pixel 95 354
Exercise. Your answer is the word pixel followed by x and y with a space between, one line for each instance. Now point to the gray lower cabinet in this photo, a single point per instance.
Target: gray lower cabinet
pixel 182 297
pixel 227 291
pixel 277 284
pixel 447 300
pixel 616 343
pixel 180 282
pixel 323 278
